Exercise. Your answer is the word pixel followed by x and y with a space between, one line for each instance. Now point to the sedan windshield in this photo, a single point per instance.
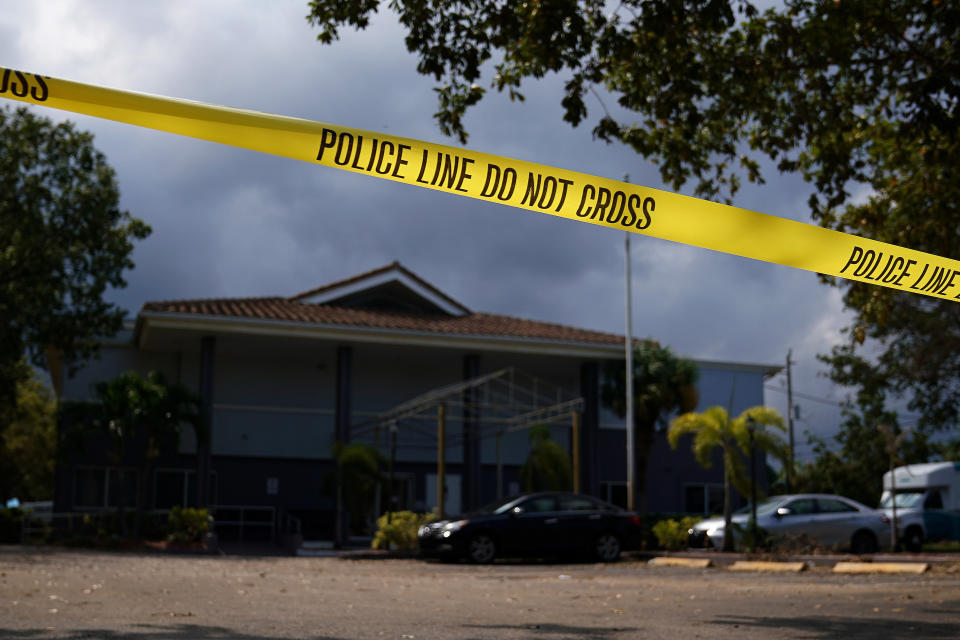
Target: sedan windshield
pixel 499 506
pixel 763 508
pixel 904 499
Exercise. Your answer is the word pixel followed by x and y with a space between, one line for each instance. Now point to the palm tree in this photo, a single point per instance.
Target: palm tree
pixel 715 428
pixel 662 383
pixel 165 409
pixel 133 410
pixel 547 467
pixel 358 478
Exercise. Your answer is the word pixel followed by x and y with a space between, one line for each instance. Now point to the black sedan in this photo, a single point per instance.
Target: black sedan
pixel 534 525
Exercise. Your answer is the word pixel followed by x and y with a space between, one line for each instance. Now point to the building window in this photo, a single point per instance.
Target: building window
pixel 102 487
pixel 614 493
pixel 178 488
pixel 703 499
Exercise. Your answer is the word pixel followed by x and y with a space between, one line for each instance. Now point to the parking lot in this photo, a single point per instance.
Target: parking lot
pixel 48 593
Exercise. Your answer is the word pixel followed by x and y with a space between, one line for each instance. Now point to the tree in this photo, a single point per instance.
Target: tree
pixel 141 417
pixel 948 450
pixel 853 461
pixel 28 442
pixel 547 467
pixel 65 241
pixel 714 428
pixel 662 383
pixel 358 477
pixel 859 98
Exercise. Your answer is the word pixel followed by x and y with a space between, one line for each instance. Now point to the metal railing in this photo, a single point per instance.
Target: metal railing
pixel 243 517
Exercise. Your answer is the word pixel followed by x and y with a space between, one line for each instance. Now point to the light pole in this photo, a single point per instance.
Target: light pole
pixel 393 457
pixel 751 427
pixel 628 348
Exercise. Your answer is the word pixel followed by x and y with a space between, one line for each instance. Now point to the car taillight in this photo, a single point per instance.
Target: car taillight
pixel 635 520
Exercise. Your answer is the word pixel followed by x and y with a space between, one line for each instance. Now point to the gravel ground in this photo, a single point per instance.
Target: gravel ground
pixel 49 593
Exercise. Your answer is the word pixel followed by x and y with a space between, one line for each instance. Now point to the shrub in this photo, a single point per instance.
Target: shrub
pixel 672 534
pixel 186 525
pixel 401 532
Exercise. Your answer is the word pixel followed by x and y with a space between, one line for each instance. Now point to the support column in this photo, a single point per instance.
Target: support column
pixel 343 409
pixel 441 458
pixel 208 346
pixel 575 429
pixel 341 433
pixel 590 429
pixel 471 438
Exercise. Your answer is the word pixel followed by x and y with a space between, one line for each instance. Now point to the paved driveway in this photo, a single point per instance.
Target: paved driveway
pixel 66 594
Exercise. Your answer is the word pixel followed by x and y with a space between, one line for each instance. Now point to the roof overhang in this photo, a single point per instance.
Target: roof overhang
pixel 151 322
pixel 768 370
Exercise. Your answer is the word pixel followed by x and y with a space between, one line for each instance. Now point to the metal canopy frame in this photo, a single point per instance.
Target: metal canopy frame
pixel 494 404
pixel 500 402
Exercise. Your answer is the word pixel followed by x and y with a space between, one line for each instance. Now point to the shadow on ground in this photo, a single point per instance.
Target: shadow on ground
pixel 560 630
pixel 838 628
pixel 145 631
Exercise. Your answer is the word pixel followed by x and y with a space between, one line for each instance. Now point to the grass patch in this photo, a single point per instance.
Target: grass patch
pixel 944 546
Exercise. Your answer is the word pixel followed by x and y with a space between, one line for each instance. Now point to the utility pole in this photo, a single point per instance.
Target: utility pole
pixel 790 459
pixel 628 348
pixel 892 443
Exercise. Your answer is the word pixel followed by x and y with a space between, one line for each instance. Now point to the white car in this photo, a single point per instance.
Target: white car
pixel 832 521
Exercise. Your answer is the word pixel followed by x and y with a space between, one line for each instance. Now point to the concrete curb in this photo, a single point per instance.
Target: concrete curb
pixel 693 563
pixel 758 565
pixel 881 567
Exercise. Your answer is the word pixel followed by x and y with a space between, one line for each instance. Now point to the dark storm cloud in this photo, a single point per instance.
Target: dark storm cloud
pixel 231 222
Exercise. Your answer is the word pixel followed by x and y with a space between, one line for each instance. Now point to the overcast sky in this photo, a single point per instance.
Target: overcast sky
pixel 230 222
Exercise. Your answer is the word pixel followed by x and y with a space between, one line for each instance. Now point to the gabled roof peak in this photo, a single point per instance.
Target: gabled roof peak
pixel 391 287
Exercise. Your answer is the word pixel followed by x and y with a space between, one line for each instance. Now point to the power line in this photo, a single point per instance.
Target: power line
pixel 806 396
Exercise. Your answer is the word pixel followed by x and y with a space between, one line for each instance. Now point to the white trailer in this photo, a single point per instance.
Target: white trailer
pixel 927 499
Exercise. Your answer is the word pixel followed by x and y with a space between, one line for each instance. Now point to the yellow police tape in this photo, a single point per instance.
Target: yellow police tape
pixel 526 185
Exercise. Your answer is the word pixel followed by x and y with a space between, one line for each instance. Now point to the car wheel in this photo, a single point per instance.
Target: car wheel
pixel 607 548
pixel 863 542
pixel 481 549
pixel 913 539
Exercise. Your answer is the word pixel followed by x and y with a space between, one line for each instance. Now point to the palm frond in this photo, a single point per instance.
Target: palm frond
pixel 706 440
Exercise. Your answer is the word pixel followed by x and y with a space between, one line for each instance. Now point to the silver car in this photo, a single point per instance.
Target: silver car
pixel 832 521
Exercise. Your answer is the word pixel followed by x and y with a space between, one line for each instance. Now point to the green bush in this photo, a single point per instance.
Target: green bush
pixel 672 534
pixel 187 525
pixel 401 532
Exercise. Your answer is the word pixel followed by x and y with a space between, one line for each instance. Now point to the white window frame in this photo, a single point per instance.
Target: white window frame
pixel 106 470
pixel 605 490
pixel 186 484
pixel 705 486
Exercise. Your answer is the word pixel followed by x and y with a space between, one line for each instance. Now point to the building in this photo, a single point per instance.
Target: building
pixel 371 358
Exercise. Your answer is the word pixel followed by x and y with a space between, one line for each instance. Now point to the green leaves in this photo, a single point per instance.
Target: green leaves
pixel 64 241
pixel 715 428
pixel 662 383
pixel 861 99
pixel 28 442
pixel 547 467
pixel 130 405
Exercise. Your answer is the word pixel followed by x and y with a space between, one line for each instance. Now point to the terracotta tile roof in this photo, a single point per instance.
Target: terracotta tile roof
pixel 290 310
